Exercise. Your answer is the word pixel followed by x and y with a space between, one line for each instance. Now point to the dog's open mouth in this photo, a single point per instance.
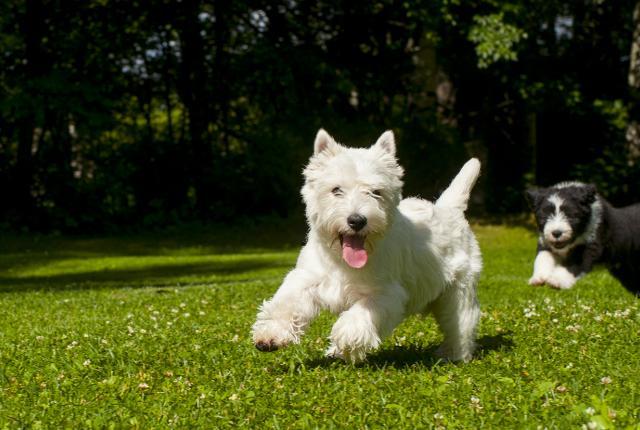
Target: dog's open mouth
pixel 353 251
pixel 559 244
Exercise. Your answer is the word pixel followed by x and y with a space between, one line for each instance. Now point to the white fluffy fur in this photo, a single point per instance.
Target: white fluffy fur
pixel 547 269
pixel 423 257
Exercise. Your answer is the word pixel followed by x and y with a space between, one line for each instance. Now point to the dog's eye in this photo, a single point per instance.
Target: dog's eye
pixel 376 193
pixel 337 191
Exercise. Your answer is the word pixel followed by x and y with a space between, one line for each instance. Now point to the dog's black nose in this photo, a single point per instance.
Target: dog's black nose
pixel 556 233
pixel 356 221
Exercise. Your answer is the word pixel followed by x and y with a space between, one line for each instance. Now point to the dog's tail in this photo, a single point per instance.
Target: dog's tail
pixel 457 195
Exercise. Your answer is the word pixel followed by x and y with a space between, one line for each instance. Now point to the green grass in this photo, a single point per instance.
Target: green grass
pixel 154 332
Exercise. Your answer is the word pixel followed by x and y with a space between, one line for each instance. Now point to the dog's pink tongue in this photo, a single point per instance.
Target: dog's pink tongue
pixel 353 251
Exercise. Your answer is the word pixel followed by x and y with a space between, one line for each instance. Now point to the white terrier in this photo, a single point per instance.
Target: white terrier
pixel 374 259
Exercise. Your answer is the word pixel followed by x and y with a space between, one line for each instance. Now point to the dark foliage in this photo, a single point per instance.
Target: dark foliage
pixel 148 113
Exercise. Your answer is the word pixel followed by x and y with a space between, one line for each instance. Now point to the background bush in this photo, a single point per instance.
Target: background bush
pixel 147 113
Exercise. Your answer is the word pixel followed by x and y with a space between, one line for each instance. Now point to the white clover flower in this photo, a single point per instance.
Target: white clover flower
pixel 590 411
pixel 400 340
pixel 86 363
pixel 605 380
pixel 622 314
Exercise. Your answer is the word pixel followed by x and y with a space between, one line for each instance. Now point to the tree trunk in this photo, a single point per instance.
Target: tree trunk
pixel 33 26
pixel 192 90
pixel 221 67
pixel 634 59
pixel 633 128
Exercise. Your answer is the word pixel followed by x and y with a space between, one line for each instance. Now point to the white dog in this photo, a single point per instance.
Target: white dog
pixel 373 258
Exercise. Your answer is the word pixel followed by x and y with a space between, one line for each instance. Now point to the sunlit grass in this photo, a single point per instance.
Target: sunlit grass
pixel 154 331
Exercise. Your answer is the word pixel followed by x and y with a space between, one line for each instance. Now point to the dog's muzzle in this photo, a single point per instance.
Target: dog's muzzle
pixel 559 244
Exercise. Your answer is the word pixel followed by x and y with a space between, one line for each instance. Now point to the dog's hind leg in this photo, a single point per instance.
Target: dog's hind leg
pixel 457 312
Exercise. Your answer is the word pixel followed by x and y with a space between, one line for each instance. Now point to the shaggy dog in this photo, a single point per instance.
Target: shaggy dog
pixel 373 258
pixel 579 228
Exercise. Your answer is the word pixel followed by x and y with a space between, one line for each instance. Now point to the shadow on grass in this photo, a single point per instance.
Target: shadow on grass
pixel 400 357
pixel 160 275
pixel 237 238
pixel 247 244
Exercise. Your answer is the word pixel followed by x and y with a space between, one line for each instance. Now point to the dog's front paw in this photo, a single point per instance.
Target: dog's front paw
pixel 537 281
pixel 334 353
pixel 270 335
pixel 561 279
pixel 456 353
pixel 349 354
pixel 352 338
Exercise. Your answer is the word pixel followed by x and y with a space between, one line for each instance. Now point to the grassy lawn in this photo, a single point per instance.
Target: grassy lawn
pixel 154 331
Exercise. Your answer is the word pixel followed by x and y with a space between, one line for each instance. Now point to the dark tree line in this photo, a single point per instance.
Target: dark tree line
pixel 145 113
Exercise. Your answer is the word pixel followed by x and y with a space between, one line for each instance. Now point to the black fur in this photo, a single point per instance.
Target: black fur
pixel 616 242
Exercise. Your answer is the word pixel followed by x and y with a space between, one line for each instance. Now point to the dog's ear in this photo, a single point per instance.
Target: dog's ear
pixel 387 143
pixel 588 193
pixel 324 142
pixel 534 195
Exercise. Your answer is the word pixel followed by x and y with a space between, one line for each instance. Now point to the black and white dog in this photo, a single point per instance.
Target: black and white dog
pixel 579 228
